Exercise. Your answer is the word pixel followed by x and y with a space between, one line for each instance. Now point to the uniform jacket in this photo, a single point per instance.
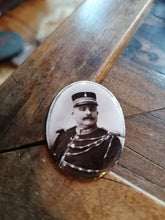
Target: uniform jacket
pixel 86 156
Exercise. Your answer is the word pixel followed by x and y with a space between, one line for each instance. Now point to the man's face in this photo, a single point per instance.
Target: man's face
pixel 85 115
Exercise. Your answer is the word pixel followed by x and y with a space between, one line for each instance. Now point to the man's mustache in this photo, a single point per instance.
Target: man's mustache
pixel 88 117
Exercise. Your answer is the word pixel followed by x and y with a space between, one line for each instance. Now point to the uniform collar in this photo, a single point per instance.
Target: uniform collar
pixel 80 131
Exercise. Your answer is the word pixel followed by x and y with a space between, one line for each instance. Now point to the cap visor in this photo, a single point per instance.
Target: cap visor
pixel 85 103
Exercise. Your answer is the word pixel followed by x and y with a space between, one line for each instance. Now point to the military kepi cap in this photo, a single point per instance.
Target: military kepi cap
pixel 84 98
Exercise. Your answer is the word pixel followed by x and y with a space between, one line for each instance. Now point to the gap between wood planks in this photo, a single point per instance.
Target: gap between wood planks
pixel 35 144
pixel 124 40
pixel 146 112
pixel 117 179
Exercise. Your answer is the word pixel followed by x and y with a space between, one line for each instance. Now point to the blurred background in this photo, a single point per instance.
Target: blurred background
pixel 33 21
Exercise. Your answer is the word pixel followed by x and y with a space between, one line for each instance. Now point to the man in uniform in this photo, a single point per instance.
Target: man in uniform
pixel 86 151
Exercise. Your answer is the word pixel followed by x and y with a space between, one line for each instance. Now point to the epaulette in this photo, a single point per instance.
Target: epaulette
pixel 60 131
pixel 72 128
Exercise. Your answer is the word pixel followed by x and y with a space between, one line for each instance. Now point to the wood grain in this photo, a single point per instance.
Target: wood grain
pixel 138 81
pixel 147 47
pixel 142 161
pixel 36 189
pixel 148 134
pixel 69 54
pixel 140 69
pixel 142 172
pixel 31 187
pixel 6 69
pixel 137 88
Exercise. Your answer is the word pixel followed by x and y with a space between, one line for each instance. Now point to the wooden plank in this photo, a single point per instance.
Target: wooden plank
pixel 147 45
pixel 31 187
pixel 142 172
pixel 137 88
pixel 68 55
pixel 138 81
pixel 146 136
pixel 159 114
pixel 140 70
pixel 139 181
pixel 6 68
pixel 142 161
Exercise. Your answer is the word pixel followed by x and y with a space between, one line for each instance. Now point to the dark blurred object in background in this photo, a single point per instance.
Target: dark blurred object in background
pixel 6 5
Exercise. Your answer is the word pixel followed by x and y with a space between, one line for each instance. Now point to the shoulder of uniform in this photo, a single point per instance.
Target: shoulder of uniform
pixel 71 129
pixel 59 131
pixel 102 130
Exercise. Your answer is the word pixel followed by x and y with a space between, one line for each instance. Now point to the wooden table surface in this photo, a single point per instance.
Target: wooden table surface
pixel 89 45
